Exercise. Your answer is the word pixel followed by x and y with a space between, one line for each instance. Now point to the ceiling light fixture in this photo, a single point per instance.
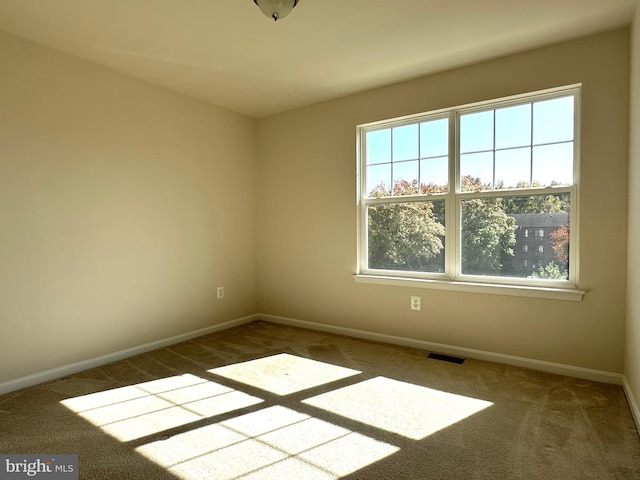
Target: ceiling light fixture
pixel 276 9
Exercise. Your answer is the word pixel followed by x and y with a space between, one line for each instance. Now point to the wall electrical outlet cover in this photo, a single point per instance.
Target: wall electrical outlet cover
pixel 415 303
pixel 220 292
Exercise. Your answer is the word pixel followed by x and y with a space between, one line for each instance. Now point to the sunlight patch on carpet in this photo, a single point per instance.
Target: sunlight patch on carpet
pixel 284 374
pixel 403 408
pixel 135 411
pixel 272 443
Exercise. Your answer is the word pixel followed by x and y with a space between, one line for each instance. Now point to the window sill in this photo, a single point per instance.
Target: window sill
pixel 568 294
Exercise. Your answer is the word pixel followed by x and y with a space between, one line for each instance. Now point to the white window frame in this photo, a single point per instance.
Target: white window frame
pixel 453 279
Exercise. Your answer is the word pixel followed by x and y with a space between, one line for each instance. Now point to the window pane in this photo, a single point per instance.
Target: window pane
pixel 510 231
pixel 406 236
pixel 513 168
pixel 513 126
pixel 553 164
pixel 379 180
pixel 434 138
pixel 405 142
pixel 476 132
pixel 378 146
pixel 476 171
pixel 405 178
pixel 434 174
pixel 553 121
pixel 495 239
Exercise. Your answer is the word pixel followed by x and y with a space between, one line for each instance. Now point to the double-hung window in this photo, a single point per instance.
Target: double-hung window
pixel 446 199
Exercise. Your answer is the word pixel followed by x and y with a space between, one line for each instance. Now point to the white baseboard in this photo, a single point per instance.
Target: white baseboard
pixel 633 405
pixel 63 371
pixel 569 370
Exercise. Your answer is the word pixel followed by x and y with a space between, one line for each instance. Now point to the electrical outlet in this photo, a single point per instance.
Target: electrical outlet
pixel 220 293
pixel 416 303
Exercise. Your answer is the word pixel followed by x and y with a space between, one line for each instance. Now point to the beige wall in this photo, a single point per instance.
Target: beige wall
pixel 307 213
pixel 122 207
pixel 632 360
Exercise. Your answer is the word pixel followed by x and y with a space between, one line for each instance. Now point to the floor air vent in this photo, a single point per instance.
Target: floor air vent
pixel 446 358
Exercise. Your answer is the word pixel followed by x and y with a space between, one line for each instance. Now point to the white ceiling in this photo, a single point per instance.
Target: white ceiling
pixel 228 53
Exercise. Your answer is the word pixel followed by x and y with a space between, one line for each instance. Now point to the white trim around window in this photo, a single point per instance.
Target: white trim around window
pixel 433 187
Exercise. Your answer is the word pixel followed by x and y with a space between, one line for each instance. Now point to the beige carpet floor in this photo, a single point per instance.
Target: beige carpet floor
pixel 265 401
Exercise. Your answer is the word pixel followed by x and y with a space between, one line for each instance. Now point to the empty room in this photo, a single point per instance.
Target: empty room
pixel 318 239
